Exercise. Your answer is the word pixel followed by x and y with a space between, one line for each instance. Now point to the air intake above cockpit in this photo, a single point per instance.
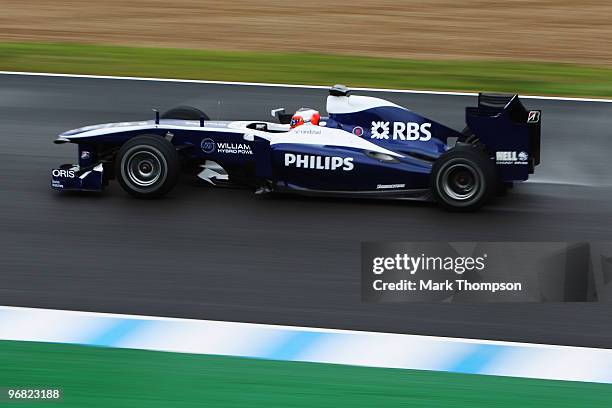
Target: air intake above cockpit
pixel 339 90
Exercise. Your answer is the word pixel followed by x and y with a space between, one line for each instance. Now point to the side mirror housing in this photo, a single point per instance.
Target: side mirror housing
pixel 280 114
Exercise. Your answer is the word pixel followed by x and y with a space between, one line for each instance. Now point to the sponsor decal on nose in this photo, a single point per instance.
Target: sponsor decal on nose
pixel 207 145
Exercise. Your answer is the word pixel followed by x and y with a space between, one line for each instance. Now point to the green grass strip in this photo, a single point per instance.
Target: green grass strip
pixel 99 377
pixel 308 68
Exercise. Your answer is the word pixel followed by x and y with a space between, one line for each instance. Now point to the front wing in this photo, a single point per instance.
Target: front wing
pixel 72 177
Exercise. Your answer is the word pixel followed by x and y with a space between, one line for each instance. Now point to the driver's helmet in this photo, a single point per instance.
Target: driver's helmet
pixel 305 115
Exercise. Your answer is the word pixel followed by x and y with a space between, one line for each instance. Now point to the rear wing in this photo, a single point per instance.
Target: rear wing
pixel 509 131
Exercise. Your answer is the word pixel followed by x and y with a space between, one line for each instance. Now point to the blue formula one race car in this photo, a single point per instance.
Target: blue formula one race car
pixel 366 147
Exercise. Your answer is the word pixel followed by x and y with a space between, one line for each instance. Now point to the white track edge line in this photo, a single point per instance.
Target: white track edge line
pixel 305 328
pixel 276 85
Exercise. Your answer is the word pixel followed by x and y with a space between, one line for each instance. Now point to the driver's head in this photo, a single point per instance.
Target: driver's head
pixel 305 115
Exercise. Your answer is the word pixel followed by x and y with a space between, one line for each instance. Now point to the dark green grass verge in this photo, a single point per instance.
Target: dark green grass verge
pixel 304 68
pixel 99 377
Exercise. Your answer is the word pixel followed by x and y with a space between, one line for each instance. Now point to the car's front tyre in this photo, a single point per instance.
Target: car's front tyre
pixel 463 178
pixel 185 113
pixel 147 166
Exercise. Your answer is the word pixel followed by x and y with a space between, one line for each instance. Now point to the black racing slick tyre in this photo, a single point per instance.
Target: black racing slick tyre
pixel 185 113
pixel 464 178
pixel 147 166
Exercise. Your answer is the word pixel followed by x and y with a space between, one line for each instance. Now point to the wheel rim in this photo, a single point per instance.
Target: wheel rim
pixel 143 169
pixel 460 182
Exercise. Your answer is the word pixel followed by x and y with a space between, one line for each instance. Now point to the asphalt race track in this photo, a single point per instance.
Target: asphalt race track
pixel 228 255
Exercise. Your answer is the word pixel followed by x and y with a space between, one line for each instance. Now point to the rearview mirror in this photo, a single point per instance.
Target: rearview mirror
pixel 283 118
pixel 276 112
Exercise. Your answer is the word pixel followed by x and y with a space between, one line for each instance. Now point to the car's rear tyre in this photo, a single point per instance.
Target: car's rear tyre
pixel 185 113
pixel 147 166
pixel 463 178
